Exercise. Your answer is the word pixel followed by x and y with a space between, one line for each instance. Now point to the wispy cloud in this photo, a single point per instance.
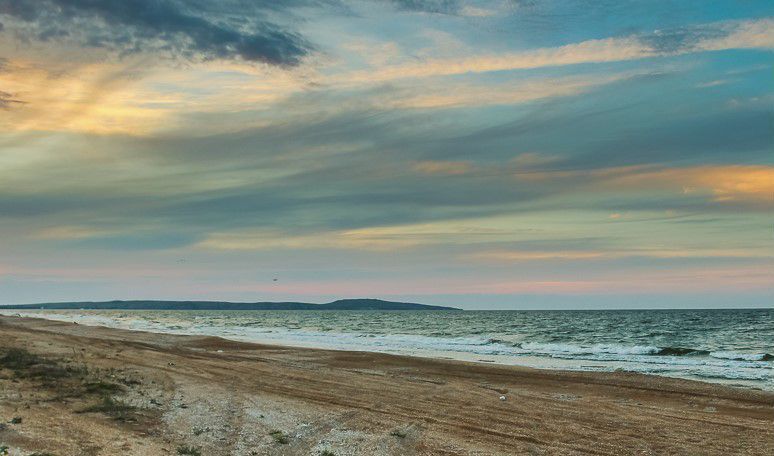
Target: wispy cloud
pixel 452 95
pixel 715 83
pixel 711 37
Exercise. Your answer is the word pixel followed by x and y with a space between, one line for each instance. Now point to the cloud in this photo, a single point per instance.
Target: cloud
pixel 363 239
pixel 347 172
pixel 96 98
pixel 753 34
pixel 454 7
pixel 448 168
pixel 128 97
pixel 682 39
pixel 510 256
pixel 69 233
pixel 7 100
pixel 580 135
pixel 591 51
pixel 723 184
pixel 715 83
pixel 183 28
pixel 429 6
pixel 455 94
pixel 516 255
pixel 687 280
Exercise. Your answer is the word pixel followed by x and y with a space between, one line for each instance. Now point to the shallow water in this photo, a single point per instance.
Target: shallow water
pixel 728 346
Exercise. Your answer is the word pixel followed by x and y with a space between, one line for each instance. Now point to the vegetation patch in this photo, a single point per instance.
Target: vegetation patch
pixel 188 451
pixel 279 437
pixel 113 408
pixel 100 387
pixel 68 381
pixel 25 364
pixel 19 359
pixel 399 433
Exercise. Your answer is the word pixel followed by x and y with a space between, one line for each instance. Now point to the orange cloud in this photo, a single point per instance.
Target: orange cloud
pixel 132 97
pixel 733 183
pixel 724 183
pixel 448 168
pixel 94 98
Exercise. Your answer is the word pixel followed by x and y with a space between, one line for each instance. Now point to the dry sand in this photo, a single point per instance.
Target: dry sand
pixel 99 391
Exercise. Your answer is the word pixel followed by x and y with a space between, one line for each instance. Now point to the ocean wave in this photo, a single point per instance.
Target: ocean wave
pixel 734 356
pixel 681 351
pixel 559 349
pixel 598 349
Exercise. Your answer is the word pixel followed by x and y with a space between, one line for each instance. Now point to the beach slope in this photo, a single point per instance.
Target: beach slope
pixel 71 389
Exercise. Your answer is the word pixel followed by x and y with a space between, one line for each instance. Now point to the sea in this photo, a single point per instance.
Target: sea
pixel 734 347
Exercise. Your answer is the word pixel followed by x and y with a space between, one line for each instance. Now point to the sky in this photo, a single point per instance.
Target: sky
pixel 497 154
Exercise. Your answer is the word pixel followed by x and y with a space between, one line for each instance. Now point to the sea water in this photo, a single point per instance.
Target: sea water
pixel 728 346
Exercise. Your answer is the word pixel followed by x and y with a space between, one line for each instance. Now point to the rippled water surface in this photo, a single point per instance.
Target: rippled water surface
pixel 730 346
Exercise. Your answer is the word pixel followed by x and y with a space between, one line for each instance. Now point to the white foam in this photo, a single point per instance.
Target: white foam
pixel 567 349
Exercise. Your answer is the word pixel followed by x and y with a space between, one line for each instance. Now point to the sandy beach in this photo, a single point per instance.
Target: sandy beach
pixel 68 389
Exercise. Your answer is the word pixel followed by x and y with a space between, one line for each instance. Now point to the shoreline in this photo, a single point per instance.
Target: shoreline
pixel 529 360
pixel 349 402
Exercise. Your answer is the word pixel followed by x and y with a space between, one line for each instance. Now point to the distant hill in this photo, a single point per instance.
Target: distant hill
pixel 341 304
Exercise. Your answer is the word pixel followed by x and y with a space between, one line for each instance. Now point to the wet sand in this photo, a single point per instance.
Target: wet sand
pixel 79 390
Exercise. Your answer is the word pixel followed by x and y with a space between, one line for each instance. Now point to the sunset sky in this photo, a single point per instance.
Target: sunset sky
pixel 484 154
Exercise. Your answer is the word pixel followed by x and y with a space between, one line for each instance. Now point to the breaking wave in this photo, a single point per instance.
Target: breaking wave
pixel 742 356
